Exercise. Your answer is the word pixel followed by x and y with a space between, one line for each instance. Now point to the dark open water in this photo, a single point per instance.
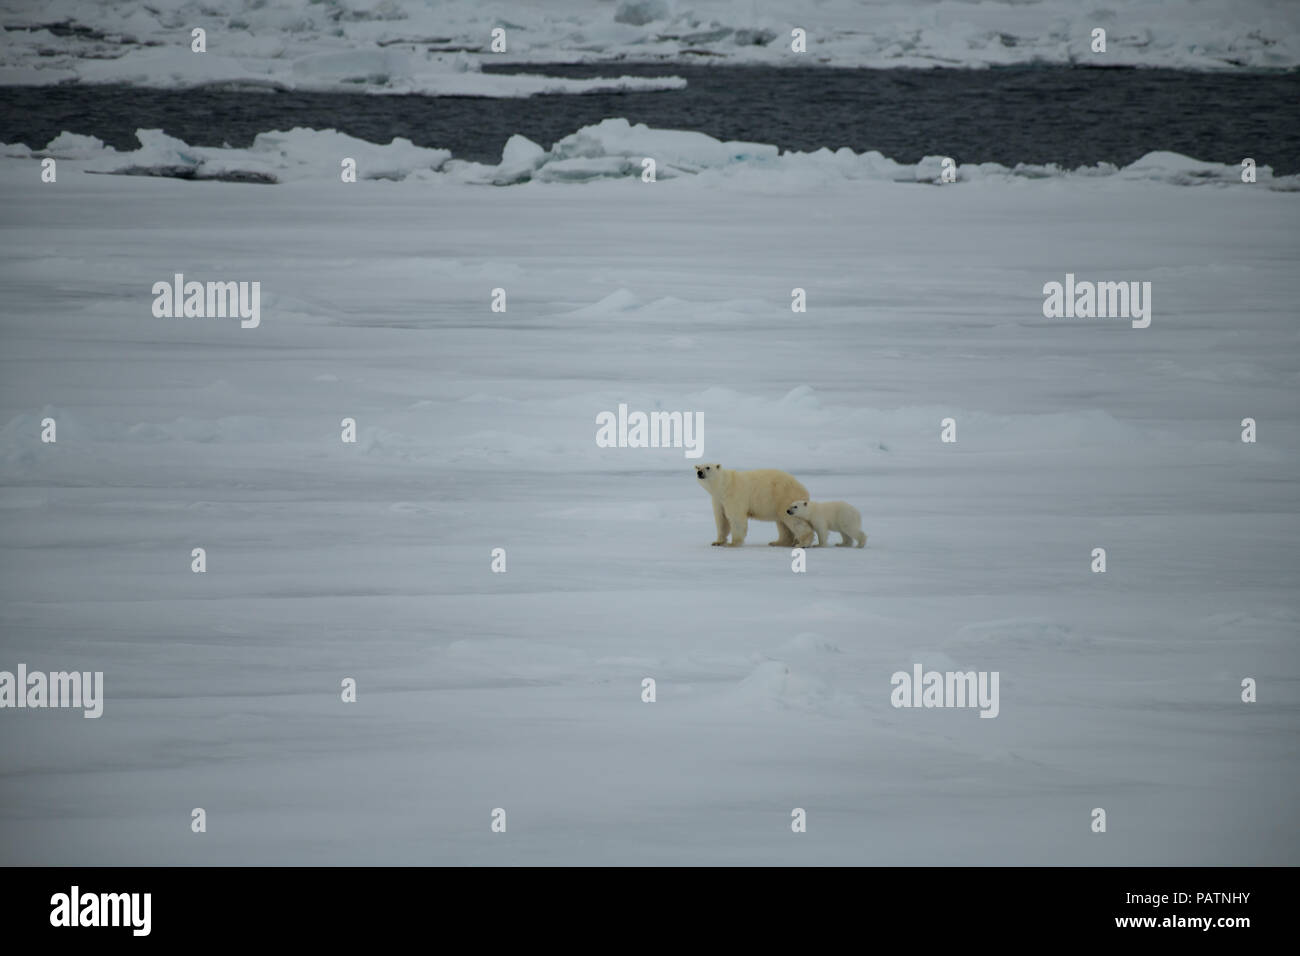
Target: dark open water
pixel 1069 116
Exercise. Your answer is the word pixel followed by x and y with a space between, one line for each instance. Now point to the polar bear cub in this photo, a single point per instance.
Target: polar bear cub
pixel 741 495
pixel 825 517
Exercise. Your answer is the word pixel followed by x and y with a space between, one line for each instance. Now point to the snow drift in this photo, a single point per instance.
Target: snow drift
pixel 610 149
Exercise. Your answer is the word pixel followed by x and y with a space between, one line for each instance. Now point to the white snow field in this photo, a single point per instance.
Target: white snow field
pixel 438 48
pixel 476 430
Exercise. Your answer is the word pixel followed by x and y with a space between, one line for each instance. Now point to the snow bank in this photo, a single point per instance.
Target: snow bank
pixel 676 148
pixel 610 149
pixel 274 157
pixel 615 149
pixel 388 46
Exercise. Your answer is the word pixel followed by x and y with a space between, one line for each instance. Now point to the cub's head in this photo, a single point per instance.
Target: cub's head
pixel 798 508
pixel 707 474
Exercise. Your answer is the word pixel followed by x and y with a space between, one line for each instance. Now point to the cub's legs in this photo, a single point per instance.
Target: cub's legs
pixel 852 535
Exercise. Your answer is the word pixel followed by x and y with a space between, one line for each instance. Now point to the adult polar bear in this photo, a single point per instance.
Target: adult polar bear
pixel 740 495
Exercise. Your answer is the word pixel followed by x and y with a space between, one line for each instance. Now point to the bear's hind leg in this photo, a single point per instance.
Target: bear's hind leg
pixel 785 536
pixel 802 531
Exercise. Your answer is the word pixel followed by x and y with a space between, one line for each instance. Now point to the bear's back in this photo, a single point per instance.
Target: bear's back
pixel 781 486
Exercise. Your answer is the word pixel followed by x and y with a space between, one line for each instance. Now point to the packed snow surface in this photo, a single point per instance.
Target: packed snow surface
pixel 475 430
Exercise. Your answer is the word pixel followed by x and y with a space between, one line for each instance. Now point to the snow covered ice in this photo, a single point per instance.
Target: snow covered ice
pixel 611 149
pixel 437 48
pixel 476 431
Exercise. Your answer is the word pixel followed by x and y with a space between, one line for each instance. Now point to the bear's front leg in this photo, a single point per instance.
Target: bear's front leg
pixel 720 519
pixel 739 522
pixel 823 535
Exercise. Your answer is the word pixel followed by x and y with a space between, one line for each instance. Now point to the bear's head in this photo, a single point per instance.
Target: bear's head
pixel 707 474
pixel 798 508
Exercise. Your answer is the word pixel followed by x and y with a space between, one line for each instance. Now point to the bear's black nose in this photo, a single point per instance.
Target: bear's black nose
pixel 699 474
pixel 789 511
